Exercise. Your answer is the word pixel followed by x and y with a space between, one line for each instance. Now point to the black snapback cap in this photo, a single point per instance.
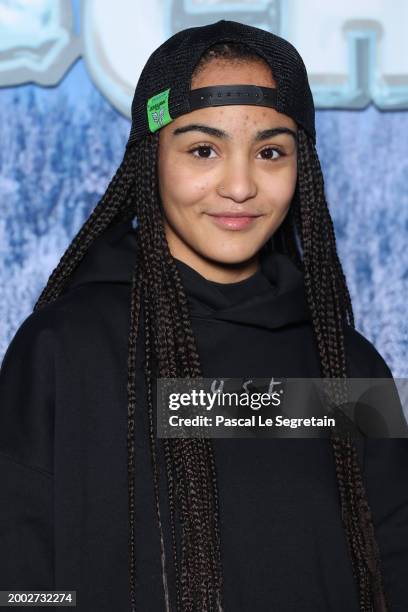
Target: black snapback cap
pixel 163 91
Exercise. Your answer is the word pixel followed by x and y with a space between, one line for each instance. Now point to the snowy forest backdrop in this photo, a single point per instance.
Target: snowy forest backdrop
pixel 59 150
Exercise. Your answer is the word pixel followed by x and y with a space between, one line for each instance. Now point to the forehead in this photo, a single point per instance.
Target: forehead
pixel 234 117
pixel 238 121
pixel 232 72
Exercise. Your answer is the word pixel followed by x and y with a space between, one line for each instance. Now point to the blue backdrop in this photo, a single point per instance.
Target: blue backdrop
pixel 62 144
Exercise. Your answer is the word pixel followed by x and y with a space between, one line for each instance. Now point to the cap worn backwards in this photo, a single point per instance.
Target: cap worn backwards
pixel 163 91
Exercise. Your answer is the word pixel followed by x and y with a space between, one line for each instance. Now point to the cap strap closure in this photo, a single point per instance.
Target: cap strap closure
pixel 222 95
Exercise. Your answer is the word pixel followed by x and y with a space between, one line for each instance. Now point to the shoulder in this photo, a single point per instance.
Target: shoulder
pixel 56 346
pixel 27 391
pixel 81 313
pixel 35 330
pixel 363 359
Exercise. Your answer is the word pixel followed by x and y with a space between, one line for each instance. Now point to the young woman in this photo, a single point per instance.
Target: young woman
pixel 230 270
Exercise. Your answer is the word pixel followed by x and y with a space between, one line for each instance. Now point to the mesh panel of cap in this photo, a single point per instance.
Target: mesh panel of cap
pixel 171 66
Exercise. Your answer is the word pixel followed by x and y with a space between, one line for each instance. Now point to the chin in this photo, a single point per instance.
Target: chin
pixel 230 257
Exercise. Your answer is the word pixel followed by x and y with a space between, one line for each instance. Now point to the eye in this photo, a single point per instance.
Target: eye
pixel 202 149
pixel 270 151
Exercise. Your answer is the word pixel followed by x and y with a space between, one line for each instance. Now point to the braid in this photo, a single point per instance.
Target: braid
pixel 114 205
pixel 135 310
pixel 189 463
pixel 330 305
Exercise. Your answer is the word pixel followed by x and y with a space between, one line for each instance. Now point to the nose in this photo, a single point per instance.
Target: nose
pixel 237 182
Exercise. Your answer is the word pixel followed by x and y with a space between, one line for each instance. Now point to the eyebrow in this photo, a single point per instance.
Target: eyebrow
pixel 212 131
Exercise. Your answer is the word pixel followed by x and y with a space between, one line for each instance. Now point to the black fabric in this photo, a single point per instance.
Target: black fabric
pixel 63 452
pixel 171 66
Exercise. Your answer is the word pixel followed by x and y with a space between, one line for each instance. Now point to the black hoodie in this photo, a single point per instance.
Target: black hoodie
pixel 63 452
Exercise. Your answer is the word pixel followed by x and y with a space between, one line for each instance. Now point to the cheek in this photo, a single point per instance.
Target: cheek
pixel 179 186
pixel 282 185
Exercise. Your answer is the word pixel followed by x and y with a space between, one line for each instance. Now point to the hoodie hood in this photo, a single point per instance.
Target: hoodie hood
pixel 272 297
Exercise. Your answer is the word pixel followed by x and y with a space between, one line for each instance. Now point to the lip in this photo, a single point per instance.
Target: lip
pixel 234 221
pixel 232 213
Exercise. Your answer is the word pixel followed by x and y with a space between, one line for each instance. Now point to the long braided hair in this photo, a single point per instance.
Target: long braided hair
pixel 159 300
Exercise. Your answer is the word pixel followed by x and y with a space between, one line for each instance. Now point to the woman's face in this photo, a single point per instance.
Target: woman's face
pixel 220 161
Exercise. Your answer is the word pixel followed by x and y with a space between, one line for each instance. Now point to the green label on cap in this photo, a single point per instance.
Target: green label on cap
pixel 158 110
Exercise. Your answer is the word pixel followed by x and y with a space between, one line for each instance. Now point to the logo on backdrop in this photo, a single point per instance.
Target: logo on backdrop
pixel 358 53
